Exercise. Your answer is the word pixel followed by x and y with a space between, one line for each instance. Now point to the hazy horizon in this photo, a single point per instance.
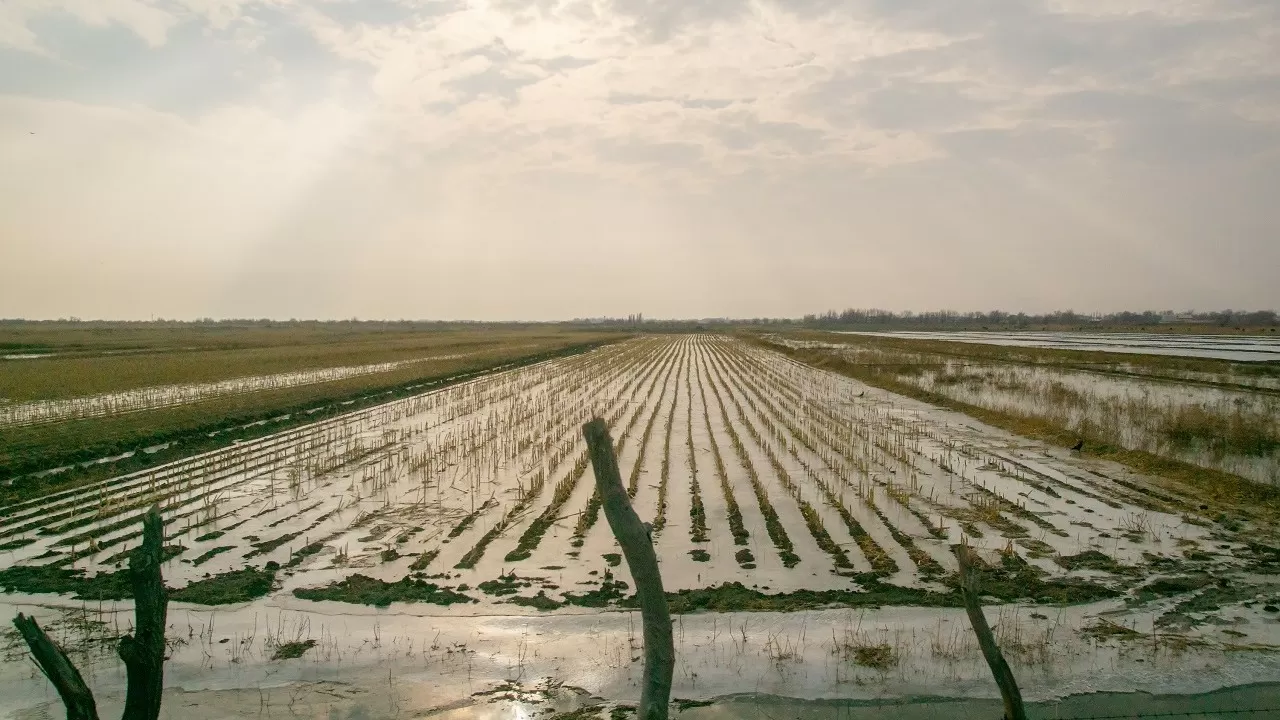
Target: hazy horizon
pixel 549 160
pixel 1202 317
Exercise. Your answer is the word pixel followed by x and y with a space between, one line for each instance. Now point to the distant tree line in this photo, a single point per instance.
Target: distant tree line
pixel 876 319
pixel 232 323
pixel 997 319
pixel 851 318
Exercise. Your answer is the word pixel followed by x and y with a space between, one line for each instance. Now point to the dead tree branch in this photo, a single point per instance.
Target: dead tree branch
pixel 143 653
pixel 54 663
pixel 659 650
pixel 1013 709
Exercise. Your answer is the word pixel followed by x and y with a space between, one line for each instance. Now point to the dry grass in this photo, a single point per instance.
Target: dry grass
pixel 1221 432
pixel 880 657
pixel 1105 629
pixel 1138 524
pixel 861 648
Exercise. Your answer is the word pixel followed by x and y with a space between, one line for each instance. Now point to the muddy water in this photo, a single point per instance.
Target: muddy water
pixel 396 659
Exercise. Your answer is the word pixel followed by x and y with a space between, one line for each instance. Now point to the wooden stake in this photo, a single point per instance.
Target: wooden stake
pixel 143 655
pixel 1013 709
pixel 659 650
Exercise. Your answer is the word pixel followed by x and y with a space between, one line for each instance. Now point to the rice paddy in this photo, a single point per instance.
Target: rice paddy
pixel 784 477
pixel 151 398
pixel 1215 414
pixel 115 398
pixel 775 490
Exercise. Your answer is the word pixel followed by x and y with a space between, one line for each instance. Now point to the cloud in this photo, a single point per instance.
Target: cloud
pixel 149 22
pixel 1022 145
pixel 669 154
pixel 658 20
pixel 918 145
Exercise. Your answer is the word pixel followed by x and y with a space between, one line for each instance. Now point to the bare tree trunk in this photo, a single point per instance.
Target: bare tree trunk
pixel 54 663
pixel 1013 709
pixel 659 650
pixel 143 654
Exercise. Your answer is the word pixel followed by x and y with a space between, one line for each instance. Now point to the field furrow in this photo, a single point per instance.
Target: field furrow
pixel 765 480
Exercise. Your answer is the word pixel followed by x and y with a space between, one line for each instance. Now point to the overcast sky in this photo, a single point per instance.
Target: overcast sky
pixel 547 159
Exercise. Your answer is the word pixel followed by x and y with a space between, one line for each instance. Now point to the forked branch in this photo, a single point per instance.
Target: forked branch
pixel 143 653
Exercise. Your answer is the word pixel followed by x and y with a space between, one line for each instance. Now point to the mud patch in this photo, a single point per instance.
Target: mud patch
pixel 364 590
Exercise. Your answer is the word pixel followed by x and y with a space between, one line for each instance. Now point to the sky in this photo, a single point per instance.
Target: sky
pixel 550 159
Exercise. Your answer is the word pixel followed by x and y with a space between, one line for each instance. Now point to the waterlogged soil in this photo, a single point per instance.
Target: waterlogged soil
pixel 235 586
pixel 293 650
pixel 1211 424
pixel 469 509
pixel 1013 579
pixel 364 590
pixel 71 582
pixel 61 463
pixel 228 588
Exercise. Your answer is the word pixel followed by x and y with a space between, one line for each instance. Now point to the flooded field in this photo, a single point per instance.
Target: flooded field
pixel 151 398
pixel 1210 415
pixel 1241 348
pixel 451 541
